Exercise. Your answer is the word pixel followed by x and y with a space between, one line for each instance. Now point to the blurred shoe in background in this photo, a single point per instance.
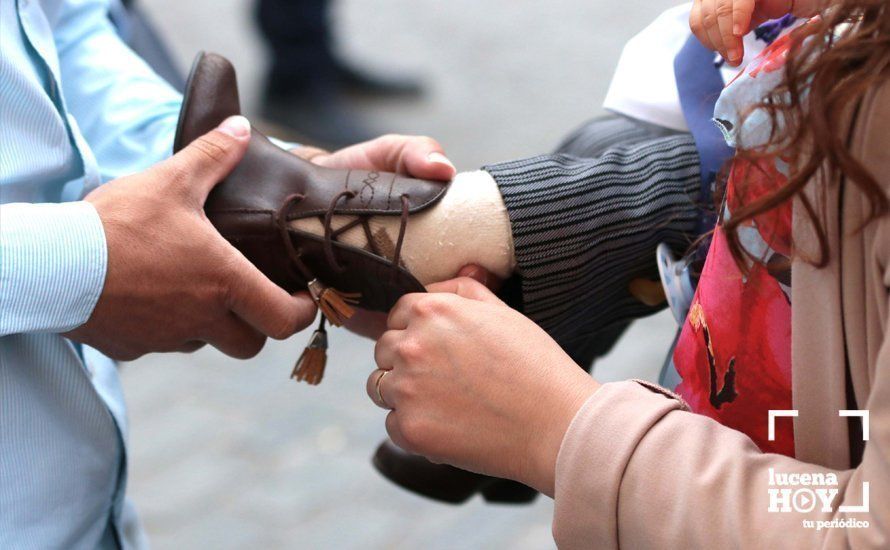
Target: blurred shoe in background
pixel 357 81
pixel 316 114
pixel 443 482
pixel 308 88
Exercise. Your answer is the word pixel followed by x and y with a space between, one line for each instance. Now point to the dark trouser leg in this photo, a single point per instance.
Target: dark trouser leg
pixel 304 82
pixel 298 35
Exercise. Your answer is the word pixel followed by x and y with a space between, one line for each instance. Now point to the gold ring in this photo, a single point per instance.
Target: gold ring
pixel 380 395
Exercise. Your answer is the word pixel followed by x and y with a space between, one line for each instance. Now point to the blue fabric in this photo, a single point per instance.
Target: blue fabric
pixel 77 108
pixel 769 31
pixel 699 84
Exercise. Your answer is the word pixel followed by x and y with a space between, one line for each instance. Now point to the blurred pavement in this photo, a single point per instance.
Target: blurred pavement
pixel 231 455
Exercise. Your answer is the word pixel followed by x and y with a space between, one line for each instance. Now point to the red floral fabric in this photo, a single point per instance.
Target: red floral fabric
pixel 734 352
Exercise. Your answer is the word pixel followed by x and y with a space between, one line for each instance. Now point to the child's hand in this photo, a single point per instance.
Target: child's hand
pixel 721 24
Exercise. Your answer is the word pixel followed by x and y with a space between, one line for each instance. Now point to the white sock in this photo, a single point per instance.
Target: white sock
pixel 469 225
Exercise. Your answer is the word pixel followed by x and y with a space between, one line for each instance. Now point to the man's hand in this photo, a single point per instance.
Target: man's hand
pixel 721 24
pixel 173 282
pixel 372 324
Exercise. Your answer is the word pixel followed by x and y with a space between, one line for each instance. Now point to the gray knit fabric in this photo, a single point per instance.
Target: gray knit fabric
pixel 587 220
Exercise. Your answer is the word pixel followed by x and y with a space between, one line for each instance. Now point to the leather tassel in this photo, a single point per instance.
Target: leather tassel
pixel 310 366
pixel 335 305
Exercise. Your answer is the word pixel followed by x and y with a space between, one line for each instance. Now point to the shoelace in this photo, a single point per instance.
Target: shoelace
pixel 336 306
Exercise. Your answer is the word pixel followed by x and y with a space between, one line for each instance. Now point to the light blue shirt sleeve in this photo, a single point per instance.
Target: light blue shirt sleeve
pixel 126 113
pixel 53 259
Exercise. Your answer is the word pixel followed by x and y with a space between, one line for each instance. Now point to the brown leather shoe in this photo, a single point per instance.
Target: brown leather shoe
pixel 271 187
pixel 443 482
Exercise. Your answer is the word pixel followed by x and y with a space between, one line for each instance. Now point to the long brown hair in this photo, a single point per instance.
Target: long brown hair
pixel 830 67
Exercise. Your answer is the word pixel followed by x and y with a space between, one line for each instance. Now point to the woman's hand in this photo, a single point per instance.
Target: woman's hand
pixel 721 24
pixel 372 324
pixel 173 283
pixel 475 384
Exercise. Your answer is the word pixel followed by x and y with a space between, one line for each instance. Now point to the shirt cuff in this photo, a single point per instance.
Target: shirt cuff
pixel 53 260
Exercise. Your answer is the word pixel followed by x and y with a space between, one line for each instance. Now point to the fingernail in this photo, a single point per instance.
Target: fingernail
pixel 236 126
pixel 439 158
pixel 734 56
pixel 738 30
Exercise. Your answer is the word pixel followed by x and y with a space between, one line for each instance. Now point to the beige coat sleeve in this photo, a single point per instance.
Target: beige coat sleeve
pixel 636 470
